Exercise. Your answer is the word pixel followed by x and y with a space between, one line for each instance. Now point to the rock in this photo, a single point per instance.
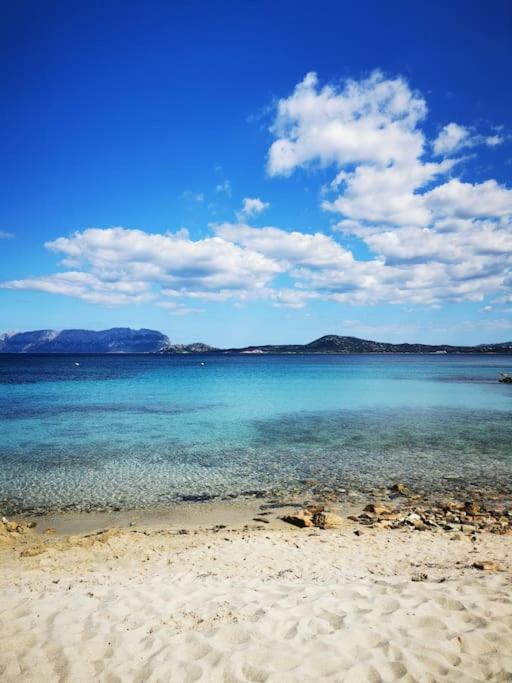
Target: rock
pixel 327 520
pixel 400 488
pixel 377 509
pixel 487 565
pixel 384 524
pixel 413 517
pixel 314 509
pixel 302 518
pixel 471 507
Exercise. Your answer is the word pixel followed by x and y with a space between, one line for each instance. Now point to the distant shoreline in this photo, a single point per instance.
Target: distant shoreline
pixel 144 341
pixel 235 352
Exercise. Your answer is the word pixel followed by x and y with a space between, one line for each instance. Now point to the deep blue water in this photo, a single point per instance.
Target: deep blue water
pixel 132 430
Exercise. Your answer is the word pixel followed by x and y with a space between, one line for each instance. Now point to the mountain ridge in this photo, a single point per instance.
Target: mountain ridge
pixel 113 340
pixel 127 340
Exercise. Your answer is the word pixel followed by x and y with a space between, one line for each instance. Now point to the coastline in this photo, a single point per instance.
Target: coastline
pixel 206 592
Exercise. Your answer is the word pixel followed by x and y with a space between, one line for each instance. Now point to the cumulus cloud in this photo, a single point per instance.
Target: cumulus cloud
pixel 454 137
pixel 117 266
pixel 430 237
pixel 466 200
pixel 451 138
pixel 368 121
pixel 251 207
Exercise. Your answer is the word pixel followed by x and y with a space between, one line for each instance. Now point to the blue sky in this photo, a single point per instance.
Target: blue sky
pixel 258 172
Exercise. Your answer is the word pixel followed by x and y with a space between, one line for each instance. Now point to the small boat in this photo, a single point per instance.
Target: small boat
pixel 77 363
pixel 201 363
pixel 505 378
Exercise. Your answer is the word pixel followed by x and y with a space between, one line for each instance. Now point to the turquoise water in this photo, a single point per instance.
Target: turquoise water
pixel 132 430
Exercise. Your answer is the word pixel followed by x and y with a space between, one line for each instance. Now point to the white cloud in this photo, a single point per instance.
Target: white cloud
pixel 494 140
pixel 454 137
pixel 251 207
pixel 465 200
pixel 429 238
pixel 117 266
pixel 451 138
pixel 4 235
pixel 294 248
pixel 86 286
pixel 369 121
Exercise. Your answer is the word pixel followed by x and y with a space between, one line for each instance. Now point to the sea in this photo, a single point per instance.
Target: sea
pixel 96 432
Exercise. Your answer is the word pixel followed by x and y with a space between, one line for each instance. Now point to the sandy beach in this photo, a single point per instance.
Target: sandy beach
pixel 213 595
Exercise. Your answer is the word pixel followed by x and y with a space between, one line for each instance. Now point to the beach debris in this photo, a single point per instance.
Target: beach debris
pixel 400 488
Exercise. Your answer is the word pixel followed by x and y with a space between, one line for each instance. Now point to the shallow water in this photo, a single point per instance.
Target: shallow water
pixel 132 431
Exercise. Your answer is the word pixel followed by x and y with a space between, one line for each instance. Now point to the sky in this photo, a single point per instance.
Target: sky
pixel 258 172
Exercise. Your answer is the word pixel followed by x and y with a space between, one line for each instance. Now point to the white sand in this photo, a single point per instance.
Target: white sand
pixel 270 604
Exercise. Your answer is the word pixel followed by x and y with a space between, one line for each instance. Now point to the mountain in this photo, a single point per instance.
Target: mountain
pixel 115 340
pixel 125 340
pixel 332 343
